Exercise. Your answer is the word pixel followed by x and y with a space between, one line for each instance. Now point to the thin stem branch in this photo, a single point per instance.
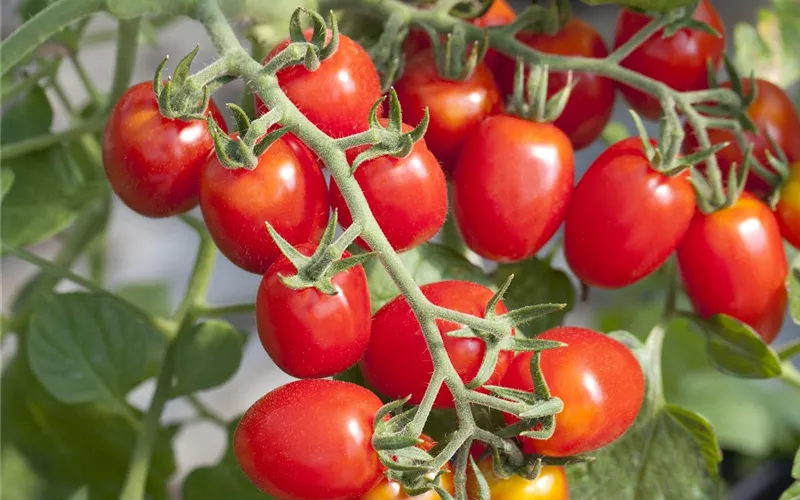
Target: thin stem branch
pixel 789 350
pixel 127 45
pixel 96 97
pixel 21 148
pixel 208 311
pixel 205 412
pixel 635 41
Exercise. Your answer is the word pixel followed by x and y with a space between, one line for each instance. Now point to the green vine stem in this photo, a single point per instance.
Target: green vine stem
pixel 125 58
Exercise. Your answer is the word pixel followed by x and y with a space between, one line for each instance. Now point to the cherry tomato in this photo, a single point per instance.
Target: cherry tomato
pixel 550 485
pixel 773 113
pixel 591 101
pixel 598 379
pixel 733 262
pixel 310 440
pixel 308 333
pixel 456 108
pixel 290 195
pixel 788 210
pixel 397 362
pixel 511 185
pixel 678 61
pixel 407 196
pixel 625 219
pixel 339 95
pixel 153 163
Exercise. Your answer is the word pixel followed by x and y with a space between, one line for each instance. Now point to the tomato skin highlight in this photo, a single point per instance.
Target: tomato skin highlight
pixel 456 108
pixel 733 262
pixel 308 333
pixel 598 379
pixel 407 196
pixel 153 163
pixel 289 194
pixel 397 362
pixel 787 212
pixel 511 186
pixel 550 485
pixel 310 440
pixel 625 219
pixel 678 61
pixel 591 100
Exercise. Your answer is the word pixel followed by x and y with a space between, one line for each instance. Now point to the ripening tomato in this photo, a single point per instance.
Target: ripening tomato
pixel 773 113
pixel 339 95
pixel 456 108
pixel 733 262
pixel 153 163
pixel 397 362
pixel 550 485
pixel 310 440
pixel 788 210
pixel 591 100
pixel 625 219
pixel 511 185
pixel 289 194
pixel 678 61
pixel 308 333
pixel 598 379
pixel 407 196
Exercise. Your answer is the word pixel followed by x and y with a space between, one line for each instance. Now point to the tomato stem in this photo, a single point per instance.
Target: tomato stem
pixel 125 61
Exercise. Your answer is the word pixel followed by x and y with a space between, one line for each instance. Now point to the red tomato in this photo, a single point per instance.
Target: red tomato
pixel 788 210
pixel 550 485
pixel 397 362
pixel 456 108
pixel 511 185
pixel 773 113
pixel 290 195
pixel 678 61
pixel 407 196
pixel 310 440
pixel 153 163
pixel 339 95
pixel 732 262
pixel 625 219
pixel 308 333
pixel 591 101
pixel 598 379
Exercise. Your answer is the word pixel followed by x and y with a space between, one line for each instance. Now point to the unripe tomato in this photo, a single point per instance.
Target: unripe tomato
pixel 591 100
pixel 788 210
pixel 310 440
pixel 625 219
pixel 678 61
pixel 397 362
pixel 153 163
pixel 511 185
pixel 407 196
pixel 733 262
pixel 598 379
pixel 308 333
pixel 456 108
pixel 289 194
pixel 550 485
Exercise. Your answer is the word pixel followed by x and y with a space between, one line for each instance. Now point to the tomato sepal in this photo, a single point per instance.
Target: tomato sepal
pixel 316 50
pixel 453 61
pixel 529 101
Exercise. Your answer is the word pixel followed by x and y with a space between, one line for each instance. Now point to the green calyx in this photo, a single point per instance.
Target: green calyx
pixel 458 56
pixel 178 97
pixel 531 102
pixel 387 52
pixel 311 52
pixel 252 140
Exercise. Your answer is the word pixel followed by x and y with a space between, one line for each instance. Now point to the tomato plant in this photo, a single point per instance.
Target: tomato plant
pixel 551 484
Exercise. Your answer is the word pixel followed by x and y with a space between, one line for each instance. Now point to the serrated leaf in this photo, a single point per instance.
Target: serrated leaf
pixel 150 297
pixel 736 349
pixel 794 289
pixel 87 348
pixel 653 5
pixel 206 356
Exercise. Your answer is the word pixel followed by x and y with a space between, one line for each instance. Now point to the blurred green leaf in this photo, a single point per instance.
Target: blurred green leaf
pixel 21 481
pixel 6 179
pixel 31 116
pixel 81 494
pixel 736 349
pixel 769 49
pixel 653 5
pixel 794 289
pixel 206 356
pixel 150 297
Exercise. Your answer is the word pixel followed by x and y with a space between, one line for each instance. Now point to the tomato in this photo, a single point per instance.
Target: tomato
pixel 511 185
pixel 598 379
pixel 310 440
pixel 397 362
pixel 788 210
pixel 339 95
pixel 290 195
pixel 550 485
pixel 308 333
pixel 678 61
pixel 456 108
pixel 625 219
pixel 773 113
pixel 591 100
pixel 733 262
pixel 407 196
pixel 153 163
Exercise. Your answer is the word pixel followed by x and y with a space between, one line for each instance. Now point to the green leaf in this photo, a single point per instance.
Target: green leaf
pixel 536 282
pixel 427 263
pixel 81 494
pixel 736 349
pixel 151 297
pixel 91 348
pixel 6 180
pixel 21 481
pixel 30 117
pixel 653 5
pixel 702 432
pixel 794 290
pixel 796 466
pixel 206 356
pixel 793 493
